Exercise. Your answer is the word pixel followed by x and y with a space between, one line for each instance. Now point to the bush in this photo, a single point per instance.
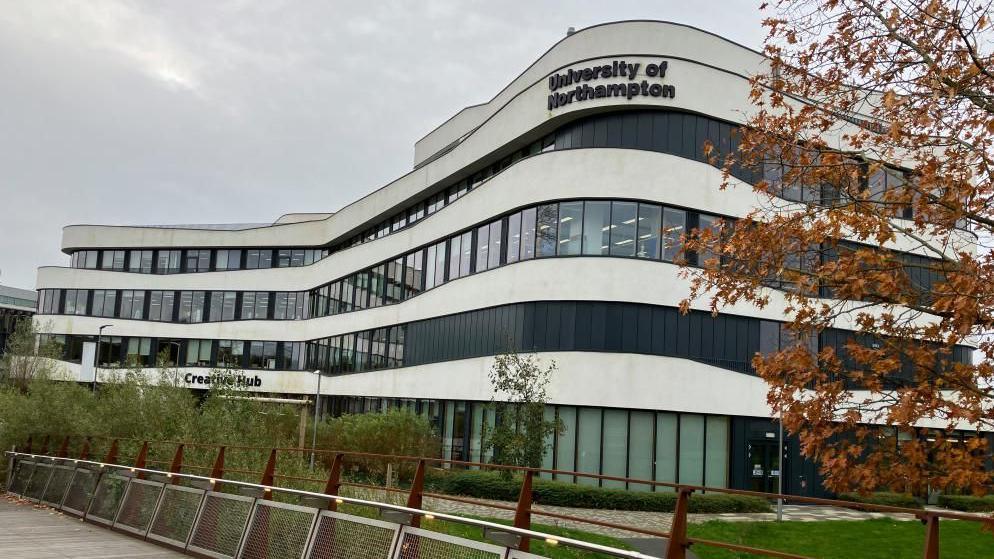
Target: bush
pixel 884 498
pixel 967 503
pixel 397 432
pixel 491 485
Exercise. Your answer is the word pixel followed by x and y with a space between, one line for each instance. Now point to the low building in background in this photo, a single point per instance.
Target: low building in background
pixel 15 304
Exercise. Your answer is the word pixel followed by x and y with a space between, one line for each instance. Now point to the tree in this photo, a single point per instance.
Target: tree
pixel 519 435
pixel 26 358
pixel 837 219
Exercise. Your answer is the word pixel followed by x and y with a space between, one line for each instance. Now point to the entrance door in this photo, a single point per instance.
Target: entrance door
pixel 764 466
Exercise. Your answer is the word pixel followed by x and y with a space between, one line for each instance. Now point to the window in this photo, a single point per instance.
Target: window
pixel 198 353
pixel 528 218
pixel 198 261
pixel 547 219
pixel 258 259
pixel 229 353
pixel 414 274
pixel 570 228
pixel 396 355
pixel 103 302
pixel 360 281
pixel 377 285
pixel 495 240
pixel 455 250
pixel 167 262
pixel 623 228
pixel 482 247
pixel 228 259
pixel 140 261
pixel 109 352
pixel 191 307
pixel 596 227
pixel 84 259
pixel 649 226
pixel 435 272
pixel 168 351
pixel 466 258
pixel 714 224
pixel 112 260
pixel 262 355
pixel 161 305
pixel 347 294
pixel 293 356
pixel 395 281
pixel 139 352
pixel 674 226
pixel 132 305
pixel 222 306
pixel 289 305
pixel 49 302
pixel 513 238
pixel 76 301
pixel 378 349
pixel 255 305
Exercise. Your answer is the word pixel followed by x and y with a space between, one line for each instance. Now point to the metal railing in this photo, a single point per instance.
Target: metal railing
pixel 161 508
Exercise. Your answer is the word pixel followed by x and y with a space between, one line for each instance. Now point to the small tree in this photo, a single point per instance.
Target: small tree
pixel 518 437
pixel 25 359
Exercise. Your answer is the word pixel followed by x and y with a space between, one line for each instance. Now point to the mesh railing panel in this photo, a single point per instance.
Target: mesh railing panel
pixel 221 523
pixel 38 482
pixel 139 506
pixel 57 486
pixel 424 545
pixel 177 513
pixel 80 490
pixel 278 531
pixel 339 538
pixel 22 475
pixel 107 498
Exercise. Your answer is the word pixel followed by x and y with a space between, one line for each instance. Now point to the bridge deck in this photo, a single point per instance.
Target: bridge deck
pixel 42 533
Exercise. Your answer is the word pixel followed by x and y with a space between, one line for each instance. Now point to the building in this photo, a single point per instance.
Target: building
pixel 15 304
pixel 544 220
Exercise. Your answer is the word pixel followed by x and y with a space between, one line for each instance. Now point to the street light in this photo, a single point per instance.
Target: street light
pixel 96 358
pixel 317 406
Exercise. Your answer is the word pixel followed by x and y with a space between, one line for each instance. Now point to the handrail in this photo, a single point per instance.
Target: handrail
pixel 579 544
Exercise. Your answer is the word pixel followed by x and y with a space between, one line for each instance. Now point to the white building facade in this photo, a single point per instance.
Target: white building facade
pixel 545 220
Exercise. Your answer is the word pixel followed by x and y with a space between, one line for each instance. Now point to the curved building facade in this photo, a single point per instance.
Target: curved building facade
pixel 545 220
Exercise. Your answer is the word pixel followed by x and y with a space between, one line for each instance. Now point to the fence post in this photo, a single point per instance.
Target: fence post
pixel 269 475
pixel 217 472
pixel 931 522
pixel 523 514
pixel 64 447
pixel 177 465
pixel 334 484
pixel 140 459
pixel 85 452
pixel 677 548
pixel 111 457
pixel 44 445
pixel 416 497
pixel 10 466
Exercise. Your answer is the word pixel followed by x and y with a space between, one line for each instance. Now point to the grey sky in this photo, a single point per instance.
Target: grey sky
pixel 233 111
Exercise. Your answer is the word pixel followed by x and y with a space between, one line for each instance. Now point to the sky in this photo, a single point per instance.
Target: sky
pixel 231 111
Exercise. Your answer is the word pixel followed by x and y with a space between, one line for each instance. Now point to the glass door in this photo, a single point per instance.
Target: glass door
pixel 764 466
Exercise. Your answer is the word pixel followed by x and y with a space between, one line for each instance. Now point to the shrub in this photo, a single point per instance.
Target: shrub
pixel 491 485
pixel 967 503
pixel 884 498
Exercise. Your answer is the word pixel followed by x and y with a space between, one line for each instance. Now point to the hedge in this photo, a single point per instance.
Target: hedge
pixel 967 503
pixel 883 498
pixel 491 485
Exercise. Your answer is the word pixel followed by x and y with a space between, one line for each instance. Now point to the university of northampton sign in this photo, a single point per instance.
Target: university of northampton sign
pixel 617 69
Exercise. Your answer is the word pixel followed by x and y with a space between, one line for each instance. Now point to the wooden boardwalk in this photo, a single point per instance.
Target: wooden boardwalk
pixel 30 531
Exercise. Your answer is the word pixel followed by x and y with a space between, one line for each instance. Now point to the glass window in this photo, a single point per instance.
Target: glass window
pixel 414 274
pixel 258 259
pixel 229 259
pixel 566 442
pixel 649 226
pixel 255 305
pixel 139 352
pixel 113 260
pixel 90 262
pixel 109 351
pixel 623 217
pixel 513 237
pixel 570 228
pixel 347 294
pixel 430 269
pixel 713 223
pixel 692 449
pixel 377 285
pixel 161 306
pixel 198 353
pixel 76 301
pixel 614 461
pixel 168 262
pixel 588 451
pixel 361 282
pixel 229 353
pixel 547 220
pixel 495 240
pixel 640 448
pixel 132 305
pixel 455 250
pixel 666 453
pixel 104 302
pixel 436 265
pixel 466 259
pixel 716 456
pixel 140 261
pixel 168 351
pixel 596 227
pixel 482 247
pixel 528 218
pixel 674 226
pixel 297 257
pixel 198 261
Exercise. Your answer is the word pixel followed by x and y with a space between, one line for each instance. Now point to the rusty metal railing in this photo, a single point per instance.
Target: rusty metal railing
pixel 523 511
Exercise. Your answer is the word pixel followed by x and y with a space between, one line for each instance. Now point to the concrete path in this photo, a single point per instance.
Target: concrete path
pixel 38 532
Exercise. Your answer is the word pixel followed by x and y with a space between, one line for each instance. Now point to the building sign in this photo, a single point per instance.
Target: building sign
pixel 575 85
pixel 231 380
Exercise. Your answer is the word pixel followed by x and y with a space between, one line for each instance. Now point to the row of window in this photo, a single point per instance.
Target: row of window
pixel 186 307
pixel 669 132
pixel 179 261
pixel 662 446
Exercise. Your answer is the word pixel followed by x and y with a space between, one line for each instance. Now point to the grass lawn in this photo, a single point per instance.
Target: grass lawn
pixel 845 539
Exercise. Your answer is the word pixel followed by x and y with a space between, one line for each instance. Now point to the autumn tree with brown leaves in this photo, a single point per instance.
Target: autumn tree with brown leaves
pixel 869 143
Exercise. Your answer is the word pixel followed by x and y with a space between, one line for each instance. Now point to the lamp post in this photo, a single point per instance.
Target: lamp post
pixel 780 464
pixel 317 406
pixel 96 357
